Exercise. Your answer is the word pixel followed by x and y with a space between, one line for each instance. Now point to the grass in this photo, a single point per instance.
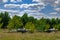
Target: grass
pixel 29 36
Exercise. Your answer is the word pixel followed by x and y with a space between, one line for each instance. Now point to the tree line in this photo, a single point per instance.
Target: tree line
pixel 28 22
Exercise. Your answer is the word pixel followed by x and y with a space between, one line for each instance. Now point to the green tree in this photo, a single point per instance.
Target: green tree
pixel 15 23
pixel 24 19
pixel 47 26
pixel 30 26
pixel 52 23
pixel 5 19
pixel 31 19
pixel 57 26
pixel 41 24
pixel 1 24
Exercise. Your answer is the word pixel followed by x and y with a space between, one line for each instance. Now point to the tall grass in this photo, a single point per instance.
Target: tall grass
pixel 30 36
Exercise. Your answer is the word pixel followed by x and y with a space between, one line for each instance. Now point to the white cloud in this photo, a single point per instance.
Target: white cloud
pixel 34 6
pixel 54 16
pixel 13 12
pixel 54 3
pixel 12 0
pixel 57 9
pixel 7 10
pixel 23 5
pixel 35 13
pixel 44 1
pixel 33 9
pixel 36 0
pixel 5 1
pixel 30 10
pixel 15 1
pixel 54 13
pixel 11 5
pixel 19 0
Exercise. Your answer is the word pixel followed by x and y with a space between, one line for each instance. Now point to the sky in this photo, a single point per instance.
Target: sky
pixel 35 8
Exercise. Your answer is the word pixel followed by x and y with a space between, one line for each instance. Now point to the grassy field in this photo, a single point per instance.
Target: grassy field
pixel 29 36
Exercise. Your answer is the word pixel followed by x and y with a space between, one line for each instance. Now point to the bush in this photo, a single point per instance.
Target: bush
pixel 15 23
pixel 30 26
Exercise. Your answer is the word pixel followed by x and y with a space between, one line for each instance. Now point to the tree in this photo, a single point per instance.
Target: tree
pixel 47 26
pixel 5 19
pixel 57 26
pixel 15 23
pixel 52 22
pixel 48 21
pixel 41 24
pixel 30 26
pixel 1 22
pixel 24 19
pixel 31 19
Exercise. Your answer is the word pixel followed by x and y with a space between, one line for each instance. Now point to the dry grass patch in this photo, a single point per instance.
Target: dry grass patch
pixel 30 36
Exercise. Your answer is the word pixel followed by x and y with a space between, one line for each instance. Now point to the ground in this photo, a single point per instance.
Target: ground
pixel 29 36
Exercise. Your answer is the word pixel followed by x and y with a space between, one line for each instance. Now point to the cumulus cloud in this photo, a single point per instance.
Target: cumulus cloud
pixel 11 12
pixel 57 9
pixel 23 5
pixel 37 1
pixel 15 1
pixel 5 1
pixel 31 9
pixel 45 1
pixel 54 3
pixel 12 1
pixel 11 5
pixel 35 13
pixel 19 0
pixel 38 15
pixel 34 8
pixel 54 13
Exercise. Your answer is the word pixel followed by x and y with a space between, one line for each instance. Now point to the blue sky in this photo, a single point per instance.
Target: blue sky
pixel 36 8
